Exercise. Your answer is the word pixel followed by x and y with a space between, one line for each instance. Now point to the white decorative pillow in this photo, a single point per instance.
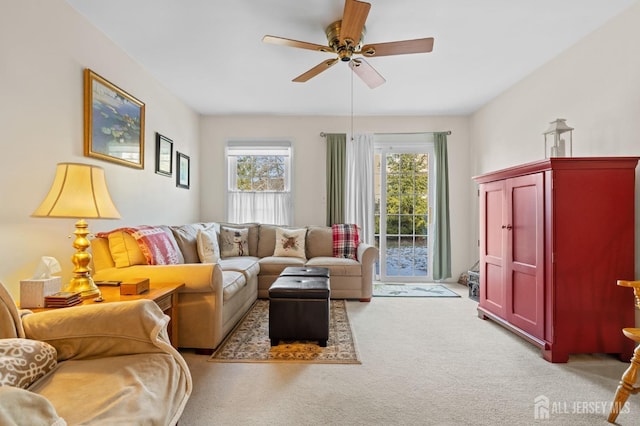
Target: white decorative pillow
pixel 23 361
pixel 207 243
pixel 234 242
pixel 290 242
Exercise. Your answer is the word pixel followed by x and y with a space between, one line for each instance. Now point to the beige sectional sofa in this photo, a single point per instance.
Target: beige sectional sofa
pixel 216 295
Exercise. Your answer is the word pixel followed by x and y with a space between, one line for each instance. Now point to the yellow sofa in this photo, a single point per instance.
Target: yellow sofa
pixel 96 364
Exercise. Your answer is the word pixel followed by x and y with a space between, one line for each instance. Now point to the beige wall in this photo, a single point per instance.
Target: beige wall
pixel 595 85
pixel 44 46
pixel 309 174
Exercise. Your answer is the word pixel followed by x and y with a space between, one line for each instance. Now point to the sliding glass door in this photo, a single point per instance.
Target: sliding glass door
pixel 403 200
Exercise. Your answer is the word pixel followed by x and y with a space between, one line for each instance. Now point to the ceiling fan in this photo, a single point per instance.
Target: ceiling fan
pixel 345 38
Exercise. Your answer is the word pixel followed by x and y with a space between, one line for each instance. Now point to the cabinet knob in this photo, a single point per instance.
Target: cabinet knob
pixel 509 227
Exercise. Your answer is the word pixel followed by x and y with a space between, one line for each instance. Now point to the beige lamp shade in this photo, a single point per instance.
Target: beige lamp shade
pixel 78 191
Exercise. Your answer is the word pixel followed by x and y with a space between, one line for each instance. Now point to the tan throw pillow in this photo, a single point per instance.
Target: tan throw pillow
pixel 234 242
pixel 125 250
pixel 23 361
pixel 186 236
pixel 290 242
pixel 208 248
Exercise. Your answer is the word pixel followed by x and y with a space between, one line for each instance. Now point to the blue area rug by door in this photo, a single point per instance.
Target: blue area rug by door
pixel 412 290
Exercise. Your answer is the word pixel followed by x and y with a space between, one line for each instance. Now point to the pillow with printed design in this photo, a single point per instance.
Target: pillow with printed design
pixel 290 242
pixel 234 242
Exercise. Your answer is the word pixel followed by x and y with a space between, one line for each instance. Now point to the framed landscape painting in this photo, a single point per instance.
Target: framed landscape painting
pixel 113 123
pixel 183 172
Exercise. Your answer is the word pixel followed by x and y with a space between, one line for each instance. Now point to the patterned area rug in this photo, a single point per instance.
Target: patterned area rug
pixel 412 290
pixel 249 341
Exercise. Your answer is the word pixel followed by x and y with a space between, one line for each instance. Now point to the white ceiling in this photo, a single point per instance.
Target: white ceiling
pixel 209 52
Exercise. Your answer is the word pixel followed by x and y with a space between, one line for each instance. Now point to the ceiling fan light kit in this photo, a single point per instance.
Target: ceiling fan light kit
pixel 345 38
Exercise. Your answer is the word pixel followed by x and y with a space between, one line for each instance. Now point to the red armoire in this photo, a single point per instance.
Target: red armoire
pixel 555 236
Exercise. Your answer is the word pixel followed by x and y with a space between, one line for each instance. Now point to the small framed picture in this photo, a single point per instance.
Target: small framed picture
pixel 164 155
pixel 113 123
pixel 183 171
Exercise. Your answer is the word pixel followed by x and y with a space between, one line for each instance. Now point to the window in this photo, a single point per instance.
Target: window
pixel 259 182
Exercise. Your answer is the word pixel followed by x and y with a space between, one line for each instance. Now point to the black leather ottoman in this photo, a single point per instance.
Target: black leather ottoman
pixel 299 309
pixel 305 271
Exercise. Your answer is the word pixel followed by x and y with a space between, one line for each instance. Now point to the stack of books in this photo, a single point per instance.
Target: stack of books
pixel 62 299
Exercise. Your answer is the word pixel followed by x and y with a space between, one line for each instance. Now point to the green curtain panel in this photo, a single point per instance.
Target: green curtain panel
pixel 336 171
pixel 442 232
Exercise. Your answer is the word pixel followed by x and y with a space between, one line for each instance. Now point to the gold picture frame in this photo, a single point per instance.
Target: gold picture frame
pixel 113 123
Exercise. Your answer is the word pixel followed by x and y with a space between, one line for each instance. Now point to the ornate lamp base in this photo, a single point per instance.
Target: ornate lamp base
pixel 82 282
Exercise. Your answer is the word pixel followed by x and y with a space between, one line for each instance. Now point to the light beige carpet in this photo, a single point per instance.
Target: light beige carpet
pixel 249 341
pixel 425 361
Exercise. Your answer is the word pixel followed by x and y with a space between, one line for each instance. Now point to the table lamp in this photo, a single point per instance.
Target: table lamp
pixel 79 191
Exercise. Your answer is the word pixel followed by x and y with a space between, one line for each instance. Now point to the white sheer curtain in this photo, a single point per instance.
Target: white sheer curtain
pixel 359 191
pixel 262 207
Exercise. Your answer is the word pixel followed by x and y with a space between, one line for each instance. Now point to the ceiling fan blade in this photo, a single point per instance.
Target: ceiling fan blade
pixel 353 19
pixel 295 43
pixel 367 73
pixel 322 66
pixel 421 45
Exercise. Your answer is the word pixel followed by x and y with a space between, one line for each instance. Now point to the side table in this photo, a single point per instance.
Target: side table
pixel 164 294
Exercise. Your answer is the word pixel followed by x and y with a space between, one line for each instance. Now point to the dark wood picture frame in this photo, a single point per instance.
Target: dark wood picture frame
pixel 164 155
pixel 113 123
pixel 183 170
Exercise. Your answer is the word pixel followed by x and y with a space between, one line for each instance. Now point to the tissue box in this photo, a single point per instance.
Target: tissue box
pixel 32 292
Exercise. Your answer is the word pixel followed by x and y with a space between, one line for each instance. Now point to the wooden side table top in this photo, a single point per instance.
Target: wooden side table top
pixel 156 291
pixel 112 294
pixel 165 295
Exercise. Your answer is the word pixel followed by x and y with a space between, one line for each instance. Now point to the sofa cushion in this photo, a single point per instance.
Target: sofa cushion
pixel 273 265
pixel 232 282
pixel 23 361
pixel 248 265
pixel 337 266
pixel 319 241
pixel 186 237
pixel 149 389
pixel 345 241
pixel 290 243
pixel 124 249
pixel 266 240
pixel 234 242
pixel 207 245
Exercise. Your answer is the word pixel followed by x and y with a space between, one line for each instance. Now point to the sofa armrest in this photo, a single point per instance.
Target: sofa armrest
pixel 97 331
pixel 367 255
pixel 197 277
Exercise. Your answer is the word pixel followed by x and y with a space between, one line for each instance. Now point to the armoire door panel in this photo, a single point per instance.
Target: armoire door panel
pixel 525 253
pixel 493 292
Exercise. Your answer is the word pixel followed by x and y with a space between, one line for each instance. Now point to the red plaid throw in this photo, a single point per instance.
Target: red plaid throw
pixel 154 243
pixel 345 241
